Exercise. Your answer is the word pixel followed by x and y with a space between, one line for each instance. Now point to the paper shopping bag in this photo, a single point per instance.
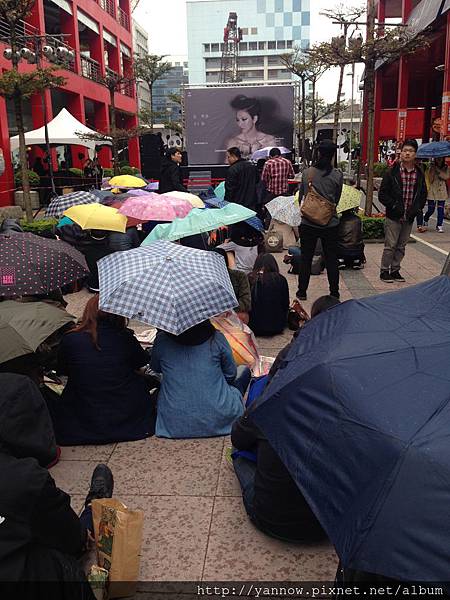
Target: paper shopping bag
pixel 118 538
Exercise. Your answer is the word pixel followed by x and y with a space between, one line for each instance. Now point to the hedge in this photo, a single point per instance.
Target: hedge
pixel 34 178
pixel 373 227
pixel 39 226
pixel 76 172
pixel 127 170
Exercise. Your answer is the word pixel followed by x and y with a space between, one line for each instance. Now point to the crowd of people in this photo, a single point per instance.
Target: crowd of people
pixel 186 385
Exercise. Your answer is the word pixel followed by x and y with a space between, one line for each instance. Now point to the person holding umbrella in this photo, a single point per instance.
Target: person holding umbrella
pixel 436 177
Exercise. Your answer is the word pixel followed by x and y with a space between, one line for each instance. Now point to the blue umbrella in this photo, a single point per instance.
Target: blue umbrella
pixel 434 150
pixel 213 202
pixel 360 415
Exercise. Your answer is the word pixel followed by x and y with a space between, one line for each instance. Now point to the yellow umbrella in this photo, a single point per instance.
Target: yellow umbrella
pixel 126 181
pixel 191 198
pixel 350 198
pixel 97 216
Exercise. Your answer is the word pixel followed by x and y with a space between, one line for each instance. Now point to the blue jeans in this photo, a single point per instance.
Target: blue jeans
pixel 430 211
pixel 245 472
pixel 242 380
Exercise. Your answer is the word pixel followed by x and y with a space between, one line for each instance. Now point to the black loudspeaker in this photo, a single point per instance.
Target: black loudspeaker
pixel 150 146
pixel 324 134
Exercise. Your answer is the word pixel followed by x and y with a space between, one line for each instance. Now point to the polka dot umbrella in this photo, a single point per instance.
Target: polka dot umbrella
pixel 30 264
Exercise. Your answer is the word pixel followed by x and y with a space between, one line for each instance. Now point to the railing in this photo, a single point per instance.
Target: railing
pixel 124 19
pixel 127 89
pixel 111 73
pixel 90 68
pixel 109 6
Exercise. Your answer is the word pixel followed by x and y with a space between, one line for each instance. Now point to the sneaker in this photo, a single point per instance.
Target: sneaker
pixel 395 276
pixel 301 296
pixel 386 277
pixel 440 229
pixel 102 484
pixel 421 229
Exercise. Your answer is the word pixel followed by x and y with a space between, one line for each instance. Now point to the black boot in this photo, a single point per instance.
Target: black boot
pixel 102 484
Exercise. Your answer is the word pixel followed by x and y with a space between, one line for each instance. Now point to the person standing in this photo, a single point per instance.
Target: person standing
pixel 436 178
pixel 241 180
pixel 171 179
pixel 327 181
pixel 276 174
pixel 403 192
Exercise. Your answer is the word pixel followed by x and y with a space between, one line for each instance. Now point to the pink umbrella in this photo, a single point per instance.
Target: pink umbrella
pixel 155 208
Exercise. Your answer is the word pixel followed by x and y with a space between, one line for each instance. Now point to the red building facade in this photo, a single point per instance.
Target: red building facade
pixel 99 33
pixel 412 96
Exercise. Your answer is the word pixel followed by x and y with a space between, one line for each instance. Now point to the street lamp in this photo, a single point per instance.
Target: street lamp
pixel 40 48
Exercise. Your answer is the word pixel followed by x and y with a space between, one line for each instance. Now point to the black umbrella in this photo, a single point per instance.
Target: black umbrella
pixel 30 264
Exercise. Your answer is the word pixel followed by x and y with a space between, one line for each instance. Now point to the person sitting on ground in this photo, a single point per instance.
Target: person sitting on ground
pixel 42 537
pixel 171 179
pixel 105 400
pixel 202 389
pixel 350 245
pixel 118 242
pixel 270 297
pixel 244 241
pixel 241 287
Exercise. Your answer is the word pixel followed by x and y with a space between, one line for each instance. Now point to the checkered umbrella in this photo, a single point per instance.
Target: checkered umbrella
pixel 61 203
pixel 168 286
pixel 30 264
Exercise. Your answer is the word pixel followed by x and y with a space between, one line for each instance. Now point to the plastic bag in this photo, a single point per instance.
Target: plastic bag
pixel 240 337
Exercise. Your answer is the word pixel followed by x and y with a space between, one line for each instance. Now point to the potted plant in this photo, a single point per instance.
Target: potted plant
pixel 35 181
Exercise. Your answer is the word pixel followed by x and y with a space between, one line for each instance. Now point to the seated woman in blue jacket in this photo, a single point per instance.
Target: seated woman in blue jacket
pixel 106 399
pixel 202 390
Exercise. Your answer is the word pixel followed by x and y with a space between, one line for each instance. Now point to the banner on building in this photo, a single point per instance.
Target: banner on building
pixel 249 118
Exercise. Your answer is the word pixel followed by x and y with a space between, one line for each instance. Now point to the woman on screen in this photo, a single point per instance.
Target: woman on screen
pixel 250 137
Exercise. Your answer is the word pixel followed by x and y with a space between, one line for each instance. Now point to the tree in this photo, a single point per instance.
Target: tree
pixel 150 68
pixel 384 45
pixel 22 86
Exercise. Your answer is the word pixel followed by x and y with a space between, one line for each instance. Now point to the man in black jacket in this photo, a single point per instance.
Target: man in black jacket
pixel 403 192
pixel 241 180
pixel 171 179
pixel 41 537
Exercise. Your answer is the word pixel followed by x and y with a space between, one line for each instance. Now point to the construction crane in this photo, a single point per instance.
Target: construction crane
pixel 229 66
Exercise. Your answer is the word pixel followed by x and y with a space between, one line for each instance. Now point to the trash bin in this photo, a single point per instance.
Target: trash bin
pixel 18 199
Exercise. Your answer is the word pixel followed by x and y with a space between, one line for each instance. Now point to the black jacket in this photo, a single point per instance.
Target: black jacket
pixel 241 184
pixel 40 535
pixel 391 194
pixel 350 233
pixel 171 179
pixel 270 304
pixel 279 506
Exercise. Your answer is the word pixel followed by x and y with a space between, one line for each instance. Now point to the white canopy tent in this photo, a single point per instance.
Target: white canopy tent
pixel 64 129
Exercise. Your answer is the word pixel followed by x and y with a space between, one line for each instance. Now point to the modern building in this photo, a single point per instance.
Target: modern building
pixel 412 94
pixel 171 83
pixel 269 28
pixel 99 34
pixel 140 46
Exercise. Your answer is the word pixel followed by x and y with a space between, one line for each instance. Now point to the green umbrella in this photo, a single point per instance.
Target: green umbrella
pixel 199 220
pixel 25 325
pixel 350 198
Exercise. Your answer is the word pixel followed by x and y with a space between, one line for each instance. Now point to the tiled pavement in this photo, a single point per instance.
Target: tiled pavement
pixel 195 524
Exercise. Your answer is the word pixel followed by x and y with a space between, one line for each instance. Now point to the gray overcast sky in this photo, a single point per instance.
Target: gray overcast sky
pixel 166 25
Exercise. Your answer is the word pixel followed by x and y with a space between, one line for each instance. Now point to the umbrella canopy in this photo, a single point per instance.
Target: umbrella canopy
pixel 152 186
pixel 220 190
pixel 199 221
pixel 264 152
pixel 25 325
pixel 350 198
pixel 192 198
pixel 285 209
pixel 166 285
pixel 127 181
pixel 59 204
pixel 155 208
pixel 213 202
pixel 360 415
pixel 97 216
pixel 138 192
pixel 434 150
pixel 30 264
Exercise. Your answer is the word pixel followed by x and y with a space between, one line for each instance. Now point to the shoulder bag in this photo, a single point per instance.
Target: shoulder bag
pixel 315 207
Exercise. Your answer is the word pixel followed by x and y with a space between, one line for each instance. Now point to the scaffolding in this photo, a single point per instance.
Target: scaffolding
pixel 229 66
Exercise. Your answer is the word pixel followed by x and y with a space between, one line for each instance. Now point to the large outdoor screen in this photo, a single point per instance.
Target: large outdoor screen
pixel 250 118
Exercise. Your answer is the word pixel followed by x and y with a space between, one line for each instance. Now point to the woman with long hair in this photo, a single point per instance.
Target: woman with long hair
pixel 436 177
pixel 270 297
pixel 105 400
pixel 202 390
pixel 327 181
pixel 250 137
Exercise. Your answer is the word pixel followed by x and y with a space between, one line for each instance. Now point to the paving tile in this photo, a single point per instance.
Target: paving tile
pixel 175 536
pixel 101 453
pixel 237 550
pixel 74 476
pixel 228 484
pixel 167 467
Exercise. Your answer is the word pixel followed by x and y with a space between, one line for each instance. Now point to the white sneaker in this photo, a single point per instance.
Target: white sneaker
pixel 440 229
